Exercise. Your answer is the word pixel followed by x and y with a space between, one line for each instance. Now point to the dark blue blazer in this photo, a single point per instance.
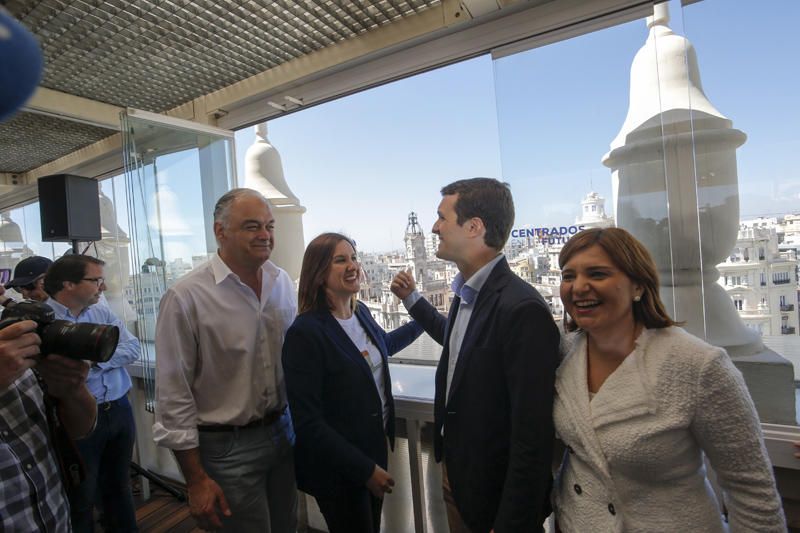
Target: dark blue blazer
pixel 498 424
pixel 335 405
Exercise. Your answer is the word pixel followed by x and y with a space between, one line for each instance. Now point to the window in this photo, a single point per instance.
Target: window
pixel 553 133
pixel 21 237
pixel 780 278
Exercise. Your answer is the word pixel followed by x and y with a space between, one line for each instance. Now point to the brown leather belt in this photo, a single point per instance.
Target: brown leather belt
pixel 267 420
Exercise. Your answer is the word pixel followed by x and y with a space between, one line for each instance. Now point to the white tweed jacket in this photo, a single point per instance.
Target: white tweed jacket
pixel 634 460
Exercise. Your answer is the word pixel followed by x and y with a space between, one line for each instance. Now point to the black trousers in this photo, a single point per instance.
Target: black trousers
pixel 352 510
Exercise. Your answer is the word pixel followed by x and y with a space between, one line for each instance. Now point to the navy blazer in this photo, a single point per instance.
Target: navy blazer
pixel 498 424
pixel 335 405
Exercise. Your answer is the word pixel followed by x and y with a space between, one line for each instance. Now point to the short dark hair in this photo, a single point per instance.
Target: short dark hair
pixel 67 268
pixel 317 261
pixel 632 258
pixel 487 199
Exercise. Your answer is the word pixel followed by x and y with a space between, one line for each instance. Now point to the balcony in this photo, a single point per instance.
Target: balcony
pixel 787 307
pixel 787 330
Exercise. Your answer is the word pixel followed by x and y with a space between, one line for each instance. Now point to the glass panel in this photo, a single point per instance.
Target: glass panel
pixel 21 237
pixel 747 159
pixel 567 151
pixel 676 171
pixel 174 172
pixel 114 249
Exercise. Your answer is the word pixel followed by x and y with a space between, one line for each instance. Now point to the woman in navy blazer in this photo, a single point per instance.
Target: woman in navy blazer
pixel 337 379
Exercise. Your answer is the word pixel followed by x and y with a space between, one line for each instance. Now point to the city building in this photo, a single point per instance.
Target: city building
pixel 762 281
pixel 416 252
pixel 593 213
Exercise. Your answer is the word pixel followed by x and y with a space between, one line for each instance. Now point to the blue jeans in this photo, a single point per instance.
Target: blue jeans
pixel 254 467
pixel 107 456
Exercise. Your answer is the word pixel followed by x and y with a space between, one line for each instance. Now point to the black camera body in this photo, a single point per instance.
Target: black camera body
pixel 93 342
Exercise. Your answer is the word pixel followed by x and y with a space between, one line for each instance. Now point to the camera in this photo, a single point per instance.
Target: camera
pixel 93 342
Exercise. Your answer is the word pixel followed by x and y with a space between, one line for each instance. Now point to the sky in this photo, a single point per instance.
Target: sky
pixel 360 164
pixel 540 120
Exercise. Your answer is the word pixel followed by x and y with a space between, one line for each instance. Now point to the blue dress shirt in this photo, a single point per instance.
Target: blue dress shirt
pixel 106 381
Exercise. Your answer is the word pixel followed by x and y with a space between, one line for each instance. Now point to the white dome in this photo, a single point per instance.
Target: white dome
pixel 263 170
pixel 660 74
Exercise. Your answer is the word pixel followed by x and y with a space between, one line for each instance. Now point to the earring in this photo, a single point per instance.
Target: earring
pixel 637 298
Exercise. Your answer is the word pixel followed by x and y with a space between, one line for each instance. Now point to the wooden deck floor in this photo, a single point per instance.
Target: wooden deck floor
pixel 163 513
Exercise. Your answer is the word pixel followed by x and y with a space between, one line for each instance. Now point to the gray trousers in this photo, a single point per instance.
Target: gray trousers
pixel 255 469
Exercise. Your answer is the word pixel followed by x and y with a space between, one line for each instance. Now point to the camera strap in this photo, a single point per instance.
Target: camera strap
pixel 70 464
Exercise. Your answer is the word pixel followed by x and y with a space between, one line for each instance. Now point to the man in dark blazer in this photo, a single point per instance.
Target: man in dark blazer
pixel 494 383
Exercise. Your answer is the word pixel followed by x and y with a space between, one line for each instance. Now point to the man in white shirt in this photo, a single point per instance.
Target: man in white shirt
pixel 220 394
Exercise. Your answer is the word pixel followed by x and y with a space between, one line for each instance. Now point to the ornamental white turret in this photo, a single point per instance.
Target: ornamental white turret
pixel 675 186
pixel 263 170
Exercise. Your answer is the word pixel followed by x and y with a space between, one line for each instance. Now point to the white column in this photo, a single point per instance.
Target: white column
pixel 263 170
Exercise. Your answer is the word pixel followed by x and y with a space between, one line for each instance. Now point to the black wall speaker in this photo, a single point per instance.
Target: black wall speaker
pixel 69 207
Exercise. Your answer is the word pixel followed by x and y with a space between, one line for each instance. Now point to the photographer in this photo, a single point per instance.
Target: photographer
pixel 32 496
pixel 29 278
pixel 75 283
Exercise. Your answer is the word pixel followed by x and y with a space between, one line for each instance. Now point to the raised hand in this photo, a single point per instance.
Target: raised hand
pixel 403 284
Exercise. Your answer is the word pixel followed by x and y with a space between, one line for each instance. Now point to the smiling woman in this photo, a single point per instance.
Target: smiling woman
pixel 611 261
pixel 636 394
pixel 337 380
pixel 343 280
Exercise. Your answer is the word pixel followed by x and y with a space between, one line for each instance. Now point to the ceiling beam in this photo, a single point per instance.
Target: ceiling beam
pixel 73 108
pixel 402 31
pixel 93 160
pixel 541 22
pixel 476 8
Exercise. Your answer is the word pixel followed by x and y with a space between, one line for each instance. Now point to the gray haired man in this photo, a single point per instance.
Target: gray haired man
pixel 220 394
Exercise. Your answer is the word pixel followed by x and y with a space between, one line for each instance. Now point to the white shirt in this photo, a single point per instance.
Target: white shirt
pixel 371 354
pixel 218 351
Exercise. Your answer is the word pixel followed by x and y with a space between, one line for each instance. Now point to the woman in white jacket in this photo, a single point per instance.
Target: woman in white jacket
pixel 639 402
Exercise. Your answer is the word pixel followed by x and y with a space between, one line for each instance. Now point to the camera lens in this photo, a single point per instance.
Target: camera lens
pixel 95 342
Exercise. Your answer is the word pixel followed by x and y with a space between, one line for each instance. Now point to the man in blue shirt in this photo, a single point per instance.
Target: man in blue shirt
pixel 75 283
